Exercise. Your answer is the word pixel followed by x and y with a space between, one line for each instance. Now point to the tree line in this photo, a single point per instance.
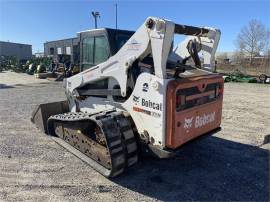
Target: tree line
pixel 252 41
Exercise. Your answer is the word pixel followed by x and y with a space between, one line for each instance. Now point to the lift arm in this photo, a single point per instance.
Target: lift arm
pixel 154 37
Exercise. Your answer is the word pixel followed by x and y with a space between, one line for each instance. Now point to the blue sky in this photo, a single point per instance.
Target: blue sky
pixel 35 22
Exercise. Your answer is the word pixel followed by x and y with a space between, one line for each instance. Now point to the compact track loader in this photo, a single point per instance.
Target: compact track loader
pixel 135 91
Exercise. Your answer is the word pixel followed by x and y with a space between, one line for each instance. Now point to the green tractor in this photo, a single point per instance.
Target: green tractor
pixel 31 68
pixel 41 68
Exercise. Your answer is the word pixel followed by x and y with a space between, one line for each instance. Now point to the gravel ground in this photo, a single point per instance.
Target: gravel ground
pixel 232 164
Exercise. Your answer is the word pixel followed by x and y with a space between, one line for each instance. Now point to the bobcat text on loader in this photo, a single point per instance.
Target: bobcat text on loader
pixel 136 91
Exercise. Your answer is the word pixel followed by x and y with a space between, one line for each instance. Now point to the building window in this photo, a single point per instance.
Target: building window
pixel 68 50
pixel 59 51
pixel 51 51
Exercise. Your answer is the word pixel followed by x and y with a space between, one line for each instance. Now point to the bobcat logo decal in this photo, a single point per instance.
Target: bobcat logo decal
pixel 136 99
pixel 188 123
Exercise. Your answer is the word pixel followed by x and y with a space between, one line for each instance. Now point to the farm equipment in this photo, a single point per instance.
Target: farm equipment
pixel 136 92
pixel 264 78
pixel 57 68
pixel 11 63
pixel 238 76
pixel 37 65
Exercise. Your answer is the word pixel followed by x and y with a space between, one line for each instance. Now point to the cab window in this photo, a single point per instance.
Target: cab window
pixel 95 51
pixel 87 53
pixel 121 40
pixel 101 49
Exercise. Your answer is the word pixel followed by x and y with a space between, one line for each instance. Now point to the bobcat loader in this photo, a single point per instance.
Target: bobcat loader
pixel 135 91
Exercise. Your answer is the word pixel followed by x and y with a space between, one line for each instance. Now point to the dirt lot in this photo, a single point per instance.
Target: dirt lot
pixel 232 164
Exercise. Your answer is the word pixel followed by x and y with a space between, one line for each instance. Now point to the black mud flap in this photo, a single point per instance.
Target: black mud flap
pixel 42 112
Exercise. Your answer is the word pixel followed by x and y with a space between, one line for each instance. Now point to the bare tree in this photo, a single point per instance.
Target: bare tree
pixel 253 39
pixel 238 57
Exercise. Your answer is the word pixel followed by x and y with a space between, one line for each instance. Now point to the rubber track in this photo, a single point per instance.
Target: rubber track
pixel 118 133
pixel 129 140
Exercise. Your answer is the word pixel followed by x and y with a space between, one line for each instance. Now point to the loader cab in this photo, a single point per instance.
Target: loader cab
pixel 97 45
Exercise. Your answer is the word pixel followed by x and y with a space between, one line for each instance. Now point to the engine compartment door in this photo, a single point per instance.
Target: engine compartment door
pixel 194 107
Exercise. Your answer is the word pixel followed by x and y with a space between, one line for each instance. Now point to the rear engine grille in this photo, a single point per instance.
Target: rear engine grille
pixel 190 97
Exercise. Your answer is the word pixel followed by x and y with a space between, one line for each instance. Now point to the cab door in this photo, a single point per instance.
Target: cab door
pixel 95 48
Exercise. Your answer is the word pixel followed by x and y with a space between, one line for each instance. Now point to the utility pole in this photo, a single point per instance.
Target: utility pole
pixel 115 16
pixel 95 14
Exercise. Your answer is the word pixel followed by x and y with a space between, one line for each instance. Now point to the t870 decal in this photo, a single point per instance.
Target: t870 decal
pixel 151 113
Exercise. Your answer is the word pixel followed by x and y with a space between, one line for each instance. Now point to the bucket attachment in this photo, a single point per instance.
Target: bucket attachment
pixel 42 112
